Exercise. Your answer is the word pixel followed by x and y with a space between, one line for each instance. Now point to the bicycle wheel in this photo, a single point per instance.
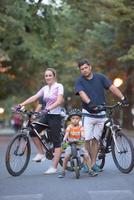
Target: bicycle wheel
pixel 18 154
pixel 76 168
pixel 124 159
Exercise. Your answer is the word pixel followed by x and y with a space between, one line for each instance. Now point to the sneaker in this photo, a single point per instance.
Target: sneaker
pixel 39 157
pixel 61 175
pixel 92 173
pixel 51 170
pixel 85 169
pixel 96 168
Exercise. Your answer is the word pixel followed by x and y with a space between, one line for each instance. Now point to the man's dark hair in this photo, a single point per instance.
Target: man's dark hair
pixel 83 61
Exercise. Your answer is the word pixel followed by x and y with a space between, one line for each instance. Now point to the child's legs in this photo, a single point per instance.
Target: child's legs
pixel 67 157
pixel 65 161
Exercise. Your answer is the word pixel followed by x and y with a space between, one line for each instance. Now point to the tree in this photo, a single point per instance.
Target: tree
pixel 36 36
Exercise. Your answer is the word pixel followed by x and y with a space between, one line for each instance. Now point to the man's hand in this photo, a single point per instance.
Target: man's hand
pixel 124 102
pixel 91 107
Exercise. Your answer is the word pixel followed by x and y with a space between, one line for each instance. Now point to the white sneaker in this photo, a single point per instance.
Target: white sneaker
pixel 39 157
pixel 51 170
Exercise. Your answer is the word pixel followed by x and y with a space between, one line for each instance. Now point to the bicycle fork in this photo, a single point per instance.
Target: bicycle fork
pixel 113 130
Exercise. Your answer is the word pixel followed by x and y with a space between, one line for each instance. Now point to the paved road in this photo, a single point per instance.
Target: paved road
pixel 7 131
pixel 10 131
pixel 111 184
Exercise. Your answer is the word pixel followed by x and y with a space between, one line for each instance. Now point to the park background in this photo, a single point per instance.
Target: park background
pixel 35 35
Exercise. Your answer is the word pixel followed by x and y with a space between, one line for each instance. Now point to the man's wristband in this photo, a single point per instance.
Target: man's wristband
pixel 122 98
pixel 88 101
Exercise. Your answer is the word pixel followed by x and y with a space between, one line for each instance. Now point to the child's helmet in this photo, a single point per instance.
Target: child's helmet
pixel 75 112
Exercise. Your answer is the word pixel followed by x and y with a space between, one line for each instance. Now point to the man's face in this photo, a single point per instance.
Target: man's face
pixel 86 70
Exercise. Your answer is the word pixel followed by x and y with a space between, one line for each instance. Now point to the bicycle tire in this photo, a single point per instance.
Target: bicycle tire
pixel 74 150
pixel 18 149
pixel 100 160
pixel 127 150
pixel 76 168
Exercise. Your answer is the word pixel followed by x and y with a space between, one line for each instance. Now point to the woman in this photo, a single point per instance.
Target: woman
pixel 52 93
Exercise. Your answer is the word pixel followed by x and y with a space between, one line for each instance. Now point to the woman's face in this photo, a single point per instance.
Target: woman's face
pixel 49 77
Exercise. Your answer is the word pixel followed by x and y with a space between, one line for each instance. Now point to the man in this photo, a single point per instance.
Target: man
pixel 91 87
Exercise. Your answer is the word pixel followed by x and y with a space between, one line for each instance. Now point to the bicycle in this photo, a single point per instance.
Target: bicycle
pixel 75 161
pixel 115 141
pixel 19 148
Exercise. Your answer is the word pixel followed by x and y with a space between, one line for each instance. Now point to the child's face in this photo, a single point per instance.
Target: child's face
pixel 75 120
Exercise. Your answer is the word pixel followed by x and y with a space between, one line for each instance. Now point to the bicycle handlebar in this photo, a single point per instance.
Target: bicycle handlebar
pixel 29 113
pixel 110 107
pixel 73 142
pixel 106 108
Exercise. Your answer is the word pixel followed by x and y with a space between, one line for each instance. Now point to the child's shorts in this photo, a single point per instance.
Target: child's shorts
pixel 81 149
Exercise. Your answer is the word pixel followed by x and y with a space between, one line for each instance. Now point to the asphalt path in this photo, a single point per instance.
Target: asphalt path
pixel 110 184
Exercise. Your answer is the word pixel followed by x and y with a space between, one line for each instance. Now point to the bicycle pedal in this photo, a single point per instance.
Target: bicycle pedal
pixel 100 156
pixel 38 161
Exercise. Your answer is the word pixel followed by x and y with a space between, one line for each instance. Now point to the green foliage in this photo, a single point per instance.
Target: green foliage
pixel 36 36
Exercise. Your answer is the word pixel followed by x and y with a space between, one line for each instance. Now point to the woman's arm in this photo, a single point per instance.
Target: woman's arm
pixel 29 100
pixel 38 107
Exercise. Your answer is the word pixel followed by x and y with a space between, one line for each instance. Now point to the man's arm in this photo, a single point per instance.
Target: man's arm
pixel 116 92
pixel 89 105
pixel 82 132
pixel 84 97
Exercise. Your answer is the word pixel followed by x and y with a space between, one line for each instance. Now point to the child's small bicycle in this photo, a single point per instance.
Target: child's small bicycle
pixel 75 162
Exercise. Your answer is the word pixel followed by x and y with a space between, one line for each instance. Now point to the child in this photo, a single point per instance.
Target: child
pixel 75 132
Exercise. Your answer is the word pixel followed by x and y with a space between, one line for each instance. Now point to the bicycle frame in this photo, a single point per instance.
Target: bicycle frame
pixel 112 128
pixel 74 149
pixel 114 135
pixel 30 124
